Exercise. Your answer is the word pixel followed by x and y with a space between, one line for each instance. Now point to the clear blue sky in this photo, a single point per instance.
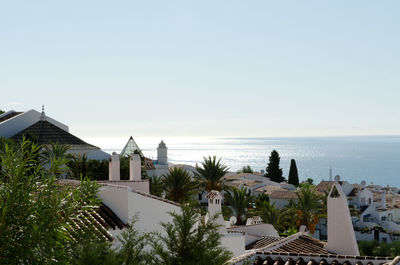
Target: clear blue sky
pixel 204 68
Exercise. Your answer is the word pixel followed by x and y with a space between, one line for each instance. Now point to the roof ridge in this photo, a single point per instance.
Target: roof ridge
pixel 143 194
pixel 282 242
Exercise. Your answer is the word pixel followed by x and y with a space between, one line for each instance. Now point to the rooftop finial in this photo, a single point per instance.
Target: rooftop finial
pixel 43 115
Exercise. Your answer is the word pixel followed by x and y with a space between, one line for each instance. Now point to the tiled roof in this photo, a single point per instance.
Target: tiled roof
pixel 278 194
pixel 244 182
pixel 263 242
pixel 299 249
pixel 269 189
pixel 303 244
pixel 148 164
pixel 47 132
pixel 99 220
pixel 324 186
pixel 301 259
pixel 213 194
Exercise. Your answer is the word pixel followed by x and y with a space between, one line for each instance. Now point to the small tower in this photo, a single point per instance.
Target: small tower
pixel 215 210
pixel 135 167
pixel 162 154
pixel 42 115
pixel 113 168
pixel 341 237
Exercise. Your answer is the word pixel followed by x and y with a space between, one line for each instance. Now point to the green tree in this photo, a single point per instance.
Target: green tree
pixel 239 200
pixel 133 246
pixel 55 157
pixel 279 218
pixel 178 185
pixel 245 169
pixel 308 207
pixel 1 111
pixel 78 166
pixel 273 171
pixel 35 212
pixel 210 174
pixel 187 243
pixel 156 185
pixel 293 174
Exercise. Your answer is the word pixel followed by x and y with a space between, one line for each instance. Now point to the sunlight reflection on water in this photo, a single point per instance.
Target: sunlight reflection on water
pixel 372 158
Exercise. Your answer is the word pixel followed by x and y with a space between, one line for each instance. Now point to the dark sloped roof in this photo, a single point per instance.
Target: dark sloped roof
pixel 9 116
pixel 263 242
pixel 46 132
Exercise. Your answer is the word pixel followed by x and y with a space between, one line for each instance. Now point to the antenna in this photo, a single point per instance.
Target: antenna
pixel 330 173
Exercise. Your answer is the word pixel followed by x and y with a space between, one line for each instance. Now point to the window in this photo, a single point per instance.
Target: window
pixel 369 200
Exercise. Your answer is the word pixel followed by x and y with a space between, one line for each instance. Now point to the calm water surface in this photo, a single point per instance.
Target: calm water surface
pixel 372 158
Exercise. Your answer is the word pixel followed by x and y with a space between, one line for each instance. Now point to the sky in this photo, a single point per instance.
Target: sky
pixel 204 68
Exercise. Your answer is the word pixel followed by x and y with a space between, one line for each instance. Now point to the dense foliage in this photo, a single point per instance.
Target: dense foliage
pixel 210 173
pixel 35 212
pixel 381 249
pixel 273 171
pixel 189 241
pixel 308 207
pixel 245 169
pixel 178 185
pixel 239 201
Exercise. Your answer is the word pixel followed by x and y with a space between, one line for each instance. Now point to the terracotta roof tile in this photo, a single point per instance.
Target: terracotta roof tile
pixel 263 242
pixel 213 194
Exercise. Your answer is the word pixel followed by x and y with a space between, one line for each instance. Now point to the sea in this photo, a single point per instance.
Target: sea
pixel 375 159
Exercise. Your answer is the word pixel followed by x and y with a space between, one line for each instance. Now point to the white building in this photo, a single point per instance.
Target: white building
pixel 32 123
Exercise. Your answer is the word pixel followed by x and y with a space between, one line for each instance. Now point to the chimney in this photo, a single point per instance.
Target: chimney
pixel 383 200
pixel 162 155
pixel 135 170
pixel 262 172
pixel 214 208
pixel 113 168
pixel 341 237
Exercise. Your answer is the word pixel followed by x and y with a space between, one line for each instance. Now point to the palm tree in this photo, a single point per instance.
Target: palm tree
pixel 178 185
pixel 210 174
pixel 78 166
pixel 308 207
pixel 279 218
pixel 55 157
pixel 156 185
pixel 239 200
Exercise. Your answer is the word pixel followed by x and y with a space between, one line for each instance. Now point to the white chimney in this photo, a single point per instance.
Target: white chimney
pixel 135 170
pixel 341 237
pixel 113 168
pixel 214 208
pixel 162 154
pixel 383 200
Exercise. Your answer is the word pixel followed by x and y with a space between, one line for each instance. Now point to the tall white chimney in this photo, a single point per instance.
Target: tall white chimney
pixel 113 168
pixel 383 199
pixel 214 208
pixel 341 237
pixel 135 170
pixel 162 154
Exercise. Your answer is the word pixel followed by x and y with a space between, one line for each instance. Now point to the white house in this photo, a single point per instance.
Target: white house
pixel 15 125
